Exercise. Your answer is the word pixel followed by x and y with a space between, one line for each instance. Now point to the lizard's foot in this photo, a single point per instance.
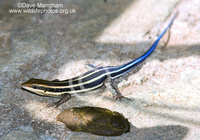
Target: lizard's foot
pixel 120 97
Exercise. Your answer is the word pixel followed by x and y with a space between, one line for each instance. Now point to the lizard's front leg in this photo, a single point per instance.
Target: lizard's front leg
pixel 63 99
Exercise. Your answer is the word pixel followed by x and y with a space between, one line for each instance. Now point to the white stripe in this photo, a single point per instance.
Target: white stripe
pixel 70 92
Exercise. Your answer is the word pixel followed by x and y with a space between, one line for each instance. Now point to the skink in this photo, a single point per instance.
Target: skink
pixel 88 81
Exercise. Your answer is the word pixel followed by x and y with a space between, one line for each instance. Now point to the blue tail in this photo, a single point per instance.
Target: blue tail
pixel 130 65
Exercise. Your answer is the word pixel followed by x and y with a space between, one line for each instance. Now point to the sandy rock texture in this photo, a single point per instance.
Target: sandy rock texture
pixel 57 44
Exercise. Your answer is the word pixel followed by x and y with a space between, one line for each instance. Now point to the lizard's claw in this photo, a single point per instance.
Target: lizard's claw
pixel 120 97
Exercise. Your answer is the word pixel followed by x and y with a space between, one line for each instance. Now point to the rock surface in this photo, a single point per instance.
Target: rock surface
pixel 164 92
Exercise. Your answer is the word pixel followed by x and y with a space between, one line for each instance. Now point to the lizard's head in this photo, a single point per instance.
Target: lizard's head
pixel 36 86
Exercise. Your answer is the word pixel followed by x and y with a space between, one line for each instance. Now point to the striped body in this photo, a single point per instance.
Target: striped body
pixel 90 80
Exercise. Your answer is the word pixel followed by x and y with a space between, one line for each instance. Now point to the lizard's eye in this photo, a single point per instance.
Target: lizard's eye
pixel 34 87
